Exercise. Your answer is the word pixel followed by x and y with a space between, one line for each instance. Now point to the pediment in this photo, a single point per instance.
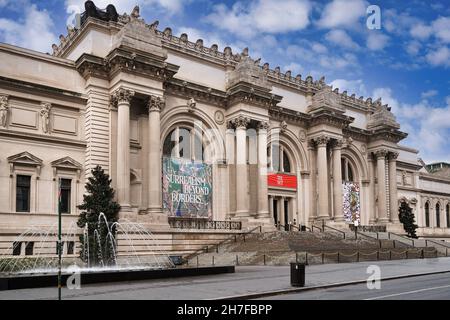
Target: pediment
pixel 66 163
pixel 25 158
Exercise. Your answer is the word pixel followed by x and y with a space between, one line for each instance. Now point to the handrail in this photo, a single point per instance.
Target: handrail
pixel 334 229
pixel 231 238
pixel 400 236
pixel 314 226
pixel 435 242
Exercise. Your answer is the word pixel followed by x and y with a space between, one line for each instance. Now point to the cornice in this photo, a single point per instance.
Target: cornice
pixel 41 138
pixel 25 86
pixel 333 119
pixel 283 114
pixel 243 92
pixel 198 92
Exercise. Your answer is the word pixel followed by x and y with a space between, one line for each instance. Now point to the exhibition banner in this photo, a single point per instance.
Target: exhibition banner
pixel 281 180
pixel 351 201
pixel 187 188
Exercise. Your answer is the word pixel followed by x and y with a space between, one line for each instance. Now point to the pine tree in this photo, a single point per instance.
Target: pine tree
pixel 98 247
pixel 407 218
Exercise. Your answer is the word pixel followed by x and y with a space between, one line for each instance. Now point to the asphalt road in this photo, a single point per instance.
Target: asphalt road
pixel 431 287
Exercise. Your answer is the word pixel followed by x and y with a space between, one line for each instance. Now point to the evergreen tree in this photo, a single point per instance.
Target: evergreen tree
pixel 407 218
pixel 97 245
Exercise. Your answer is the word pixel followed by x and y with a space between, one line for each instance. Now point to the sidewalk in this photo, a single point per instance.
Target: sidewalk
pixel 246 280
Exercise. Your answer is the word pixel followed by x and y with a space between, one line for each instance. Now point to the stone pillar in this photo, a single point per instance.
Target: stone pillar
pixel 312 210
pixel 271 209
pixel 263 210
pixel 123 99
pixel 322 169
pixel 242 201
pixel 281 216
pixel 155 105
pixel 381 177
pixel 372 215
pixel 392 157
pixel 337 182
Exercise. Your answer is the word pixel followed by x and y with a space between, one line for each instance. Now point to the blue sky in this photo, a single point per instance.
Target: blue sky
pixel 406 62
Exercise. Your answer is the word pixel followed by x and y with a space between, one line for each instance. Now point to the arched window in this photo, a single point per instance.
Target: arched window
pixel 184 142
pixel 438 215
pixel 278 159
pixel 427 214
pixel 347 170
pixel 447 215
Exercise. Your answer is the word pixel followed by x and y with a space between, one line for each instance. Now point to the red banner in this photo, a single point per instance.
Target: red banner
pixel 282 181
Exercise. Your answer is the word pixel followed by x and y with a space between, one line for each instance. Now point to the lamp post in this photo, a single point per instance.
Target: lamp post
pixel 356 223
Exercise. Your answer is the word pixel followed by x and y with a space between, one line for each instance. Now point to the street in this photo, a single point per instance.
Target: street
pixel 430 287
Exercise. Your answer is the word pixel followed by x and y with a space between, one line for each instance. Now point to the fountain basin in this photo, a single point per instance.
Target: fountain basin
pixel 28 281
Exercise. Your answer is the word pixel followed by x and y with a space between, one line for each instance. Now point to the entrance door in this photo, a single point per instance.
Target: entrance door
pixel 275 211
pixel 286 215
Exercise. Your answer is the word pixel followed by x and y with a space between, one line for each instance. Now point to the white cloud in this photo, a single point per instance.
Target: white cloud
pixel 439 57
pixel 428 126
pixel 352 86
pixel 376 41
pixel 421 31
pixel 296 68
pixel 341 38
pixel 261 16
pixel 342 13
pixel 413 47
pixel 34 32
pixel 318 47
pixel 428 94
pixel 441 27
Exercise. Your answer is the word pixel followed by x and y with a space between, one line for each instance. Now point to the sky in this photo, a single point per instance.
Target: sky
pixel 406 62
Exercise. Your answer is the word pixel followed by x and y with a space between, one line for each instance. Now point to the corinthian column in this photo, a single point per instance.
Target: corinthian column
pixel 392 157
pixel 123 99
pixel 241 166
pixel 155 105
pixel 381 177
pixel 322 169
pixel 337 181
pixel 263 210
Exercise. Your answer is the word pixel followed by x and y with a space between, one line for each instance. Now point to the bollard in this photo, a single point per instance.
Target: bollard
pixel 264 258
pixel 323 257
pixel 338 257
pixel 297 274
pixel 357 256
pixel 197 261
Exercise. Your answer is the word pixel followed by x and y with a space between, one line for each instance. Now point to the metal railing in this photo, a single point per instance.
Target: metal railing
pixel 195 223
pixel 215 247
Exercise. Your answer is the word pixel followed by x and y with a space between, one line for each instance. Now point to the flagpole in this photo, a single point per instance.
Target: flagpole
pixel 59 239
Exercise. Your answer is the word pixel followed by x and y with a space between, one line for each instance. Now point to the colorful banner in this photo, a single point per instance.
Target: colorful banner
pixel 187 188
pixel 282 181
pixel 351 202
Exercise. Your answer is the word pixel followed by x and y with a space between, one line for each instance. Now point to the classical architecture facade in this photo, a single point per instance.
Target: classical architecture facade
pixel 275 148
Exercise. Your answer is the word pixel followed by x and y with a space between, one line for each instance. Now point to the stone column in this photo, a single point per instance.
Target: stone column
pixel 155 105
pixel 372 215
pixel 392 157
pixel 381 177
pixel 337 182
pixel 312 210
pixel 123 99
pixel 322 169
pixel 271 208
pixel 242 201
pixel 262 169
pixel 281 216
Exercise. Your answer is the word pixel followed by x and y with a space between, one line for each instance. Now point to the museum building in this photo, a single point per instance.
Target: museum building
pixel 189 132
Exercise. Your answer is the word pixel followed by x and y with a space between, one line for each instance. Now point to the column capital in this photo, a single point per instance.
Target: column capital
pixel 155 103
pixel 121 95
pixel 263 126
pixel 337 144
pixel 241 122
pixel 322 141
pixel 381 153
pixel 392 156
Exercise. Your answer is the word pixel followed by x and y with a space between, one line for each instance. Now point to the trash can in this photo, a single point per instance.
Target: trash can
pixel 297 274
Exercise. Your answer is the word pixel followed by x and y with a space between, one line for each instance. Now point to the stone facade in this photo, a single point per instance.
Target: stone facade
pixel 114 90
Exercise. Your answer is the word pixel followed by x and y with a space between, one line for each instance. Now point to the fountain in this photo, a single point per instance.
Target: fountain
pixel 136 255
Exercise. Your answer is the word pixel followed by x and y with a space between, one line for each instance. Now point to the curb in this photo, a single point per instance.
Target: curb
pixel 326 286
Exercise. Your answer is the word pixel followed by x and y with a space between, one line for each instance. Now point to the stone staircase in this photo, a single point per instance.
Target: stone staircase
pixel 283 247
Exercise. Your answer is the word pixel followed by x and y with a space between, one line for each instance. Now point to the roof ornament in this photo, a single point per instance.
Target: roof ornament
pixel 135 13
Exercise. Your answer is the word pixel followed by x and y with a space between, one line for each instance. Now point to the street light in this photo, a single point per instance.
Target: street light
pixel 356 223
